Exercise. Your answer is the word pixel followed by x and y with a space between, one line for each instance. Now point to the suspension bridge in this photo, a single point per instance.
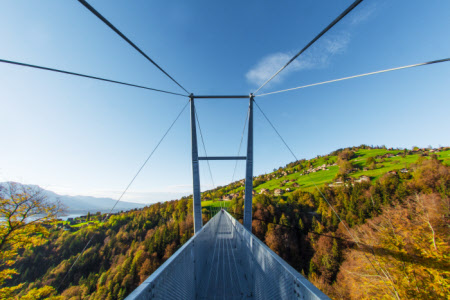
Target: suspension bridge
pixel 223 260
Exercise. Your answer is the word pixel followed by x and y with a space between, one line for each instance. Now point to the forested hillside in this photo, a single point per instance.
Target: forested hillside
pixel 360 223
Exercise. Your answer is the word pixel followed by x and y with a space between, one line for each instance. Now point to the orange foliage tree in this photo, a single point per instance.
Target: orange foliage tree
pixel 404 253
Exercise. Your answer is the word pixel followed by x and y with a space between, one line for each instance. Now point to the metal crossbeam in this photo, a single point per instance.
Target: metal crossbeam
pixel 220 96
pixel 222 158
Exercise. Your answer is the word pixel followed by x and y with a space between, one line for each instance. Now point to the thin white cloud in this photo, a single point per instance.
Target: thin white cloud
pixel 271 64
pixel 318 56
pixel 335 44
pixel 362 15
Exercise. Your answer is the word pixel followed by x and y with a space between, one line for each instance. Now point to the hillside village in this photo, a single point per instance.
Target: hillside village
pixel 367 164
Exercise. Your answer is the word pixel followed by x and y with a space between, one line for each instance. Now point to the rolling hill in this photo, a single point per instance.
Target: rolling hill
pixel 82 204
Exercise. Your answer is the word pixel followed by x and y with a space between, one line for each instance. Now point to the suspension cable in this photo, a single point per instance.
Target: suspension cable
pixel 240 145
pixel 95 12
pixel 204 148
pixel 86 76
pixel 123 193
pixel 360 75
pixel 342 15
pixel 323 196
pixel 273 127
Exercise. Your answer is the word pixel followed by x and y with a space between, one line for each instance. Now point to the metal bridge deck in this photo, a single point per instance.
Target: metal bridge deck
pixel 225 261
pixel 224 277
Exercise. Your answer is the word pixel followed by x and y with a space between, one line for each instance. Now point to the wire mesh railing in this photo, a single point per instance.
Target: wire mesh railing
pixel 225 261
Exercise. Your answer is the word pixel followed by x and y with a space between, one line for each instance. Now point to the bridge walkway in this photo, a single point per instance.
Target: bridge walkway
pixel 225 261
pixel 224 276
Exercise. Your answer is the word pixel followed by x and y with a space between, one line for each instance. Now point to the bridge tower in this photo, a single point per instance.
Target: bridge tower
pixel 198 223
pixel 249 170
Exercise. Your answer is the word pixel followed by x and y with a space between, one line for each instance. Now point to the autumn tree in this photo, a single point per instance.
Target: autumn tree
pixel 346 154
pixel 24 214
pixel 403 253
pixel 371 163
pixel 325 263
pixel 344 163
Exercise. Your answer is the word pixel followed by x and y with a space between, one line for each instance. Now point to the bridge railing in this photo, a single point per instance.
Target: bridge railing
pixel 176 277
pixel 267 275
pixel 272 277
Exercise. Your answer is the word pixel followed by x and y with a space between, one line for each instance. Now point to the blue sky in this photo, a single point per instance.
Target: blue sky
pixel 78 136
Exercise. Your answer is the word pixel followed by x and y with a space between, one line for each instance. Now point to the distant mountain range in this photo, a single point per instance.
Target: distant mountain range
pixel 82 204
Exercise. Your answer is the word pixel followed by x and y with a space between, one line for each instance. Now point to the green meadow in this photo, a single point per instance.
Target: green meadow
pixel 383 165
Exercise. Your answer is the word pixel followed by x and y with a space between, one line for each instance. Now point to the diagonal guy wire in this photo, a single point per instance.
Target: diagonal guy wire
pixel 204 148
pixel 323 196
pixel 342 15
pixel 360 75
pixel 85 76
pixel 123 193
pixel 95 12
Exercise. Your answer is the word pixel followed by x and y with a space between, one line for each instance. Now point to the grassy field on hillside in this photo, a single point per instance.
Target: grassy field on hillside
pixel 79 225
pixel 445 156
pixel 319 178
pixel 211 203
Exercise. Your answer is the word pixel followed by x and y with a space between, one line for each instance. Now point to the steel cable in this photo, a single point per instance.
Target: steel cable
pixel 273 127
pixel 240 145
pixel 96 13
pixel 342 15
pixel 204 148
pixel 86 76
pixel 323 196
pixel 123 193
pixel 360 75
